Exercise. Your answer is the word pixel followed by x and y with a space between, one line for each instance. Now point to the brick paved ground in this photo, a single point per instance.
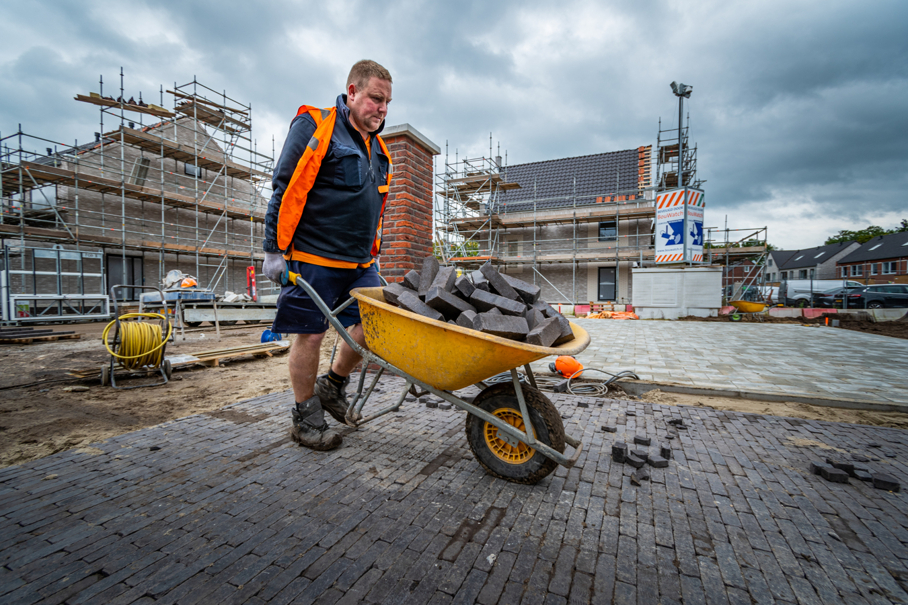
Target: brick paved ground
pixel 761 358
pixel 228 511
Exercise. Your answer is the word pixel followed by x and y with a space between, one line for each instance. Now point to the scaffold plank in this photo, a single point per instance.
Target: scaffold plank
pixel 184 153
pixel 152 111
pixel 59 236
pixel 49 175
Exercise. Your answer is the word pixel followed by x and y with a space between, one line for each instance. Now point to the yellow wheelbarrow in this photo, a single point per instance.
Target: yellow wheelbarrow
pixel 513 429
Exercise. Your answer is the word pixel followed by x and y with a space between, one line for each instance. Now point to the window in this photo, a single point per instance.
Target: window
pixel 769 262
pixel 140 171
pixel 844 271
pixel 747 269
pixel 890 267
pixel 608 231
pixel 802 274
pixel 800 257
pixel 875 247
pixel 606 283
pixel 820 254
pixel 874 267
pixel 857 270
pixel 192 170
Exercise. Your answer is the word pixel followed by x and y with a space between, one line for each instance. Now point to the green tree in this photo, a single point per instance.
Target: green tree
pixel 865 235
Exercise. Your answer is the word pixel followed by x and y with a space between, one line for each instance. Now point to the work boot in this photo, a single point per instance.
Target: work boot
pixel 333 397
pixel 310 429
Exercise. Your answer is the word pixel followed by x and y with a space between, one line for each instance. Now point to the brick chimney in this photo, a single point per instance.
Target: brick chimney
pixel 407 232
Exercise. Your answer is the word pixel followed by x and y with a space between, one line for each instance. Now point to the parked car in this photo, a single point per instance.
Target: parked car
pixel 800 292
pixel 883 296
pixel 836 297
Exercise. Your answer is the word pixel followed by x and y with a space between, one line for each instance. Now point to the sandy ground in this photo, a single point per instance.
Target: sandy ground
pixel 787 409
pixel 39 420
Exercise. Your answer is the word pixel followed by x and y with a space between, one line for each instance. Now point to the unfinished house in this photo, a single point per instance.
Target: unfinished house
pixel 574 226
pixel 153 190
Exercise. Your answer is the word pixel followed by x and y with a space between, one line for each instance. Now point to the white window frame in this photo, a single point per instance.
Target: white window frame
pixel 857 270
pixel 890 267
pixel 874 268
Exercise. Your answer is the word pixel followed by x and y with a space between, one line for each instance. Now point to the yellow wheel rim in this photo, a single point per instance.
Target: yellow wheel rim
pixel 502 449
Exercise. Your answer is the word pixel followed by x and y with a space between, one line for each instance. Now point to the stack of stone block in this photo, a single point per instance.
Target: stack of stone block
pixel 638 458
pixel 484 300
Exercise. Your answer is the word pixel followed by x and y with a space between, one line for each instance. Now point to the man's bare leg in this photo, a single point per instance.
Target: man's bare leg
pixel 303 364
pixel 346 358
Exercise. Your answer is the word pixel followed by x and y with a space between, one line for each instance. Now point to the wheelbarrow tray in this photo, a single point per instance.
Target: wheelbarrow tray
pixel 747 306
pixel 446 356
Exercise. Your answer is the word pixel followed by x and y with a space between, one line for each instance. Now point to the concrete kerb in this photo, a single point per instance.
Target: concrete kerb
pixel 874 315
pixel 638 388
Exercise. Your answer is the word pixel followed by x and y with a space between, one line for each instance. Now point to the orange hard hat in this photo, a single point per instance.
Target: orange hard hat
pixel 189 282
pixel 566 365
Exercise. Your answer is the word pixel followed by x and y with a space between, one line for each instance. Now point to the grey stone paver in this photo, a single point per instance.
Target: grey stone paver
pixel 228 510
pixel 763 358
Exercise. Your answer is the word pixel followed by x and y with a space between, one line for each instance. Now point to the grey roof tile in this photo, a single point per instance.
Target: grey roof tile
pixel 882 247
pixel 555 183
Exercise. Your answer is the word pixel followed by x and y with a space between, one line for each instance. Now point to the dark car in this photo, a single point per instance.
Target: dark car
pixel 882 296
pixel 836 298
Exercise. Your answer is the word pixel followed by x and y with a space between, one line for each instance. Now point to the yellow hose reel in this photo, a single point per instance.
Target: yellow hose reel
pixel 136 342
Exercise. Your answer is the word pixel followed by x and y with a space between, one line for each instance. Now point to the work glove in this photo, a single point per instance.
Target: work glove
pixel 275 268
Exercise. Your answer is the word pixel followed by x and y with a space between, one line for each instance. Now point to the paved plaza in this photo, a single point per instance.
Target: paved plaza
pixel 222 508
pixel 780 359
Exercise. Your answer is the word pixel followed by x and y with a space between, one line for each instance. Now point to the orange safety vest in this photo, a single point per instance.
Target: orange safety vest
pixel 294 200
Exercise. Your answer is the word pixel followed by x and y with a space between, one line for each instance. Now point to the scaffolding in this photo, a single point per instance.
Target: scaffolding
pixel 185 188
pixel 473 225
pixel 727 248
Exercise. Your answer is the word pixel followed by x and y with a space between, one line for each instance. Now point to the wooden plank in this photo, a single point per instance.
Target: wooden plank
pixel 30 339
pixel 184 153
pixel 161 113
pixel 51 175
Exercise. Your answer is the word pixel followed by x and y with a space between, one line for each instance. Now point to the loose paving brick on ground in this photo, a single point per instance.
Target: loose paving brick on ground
pixel 223 508
pixel 780 359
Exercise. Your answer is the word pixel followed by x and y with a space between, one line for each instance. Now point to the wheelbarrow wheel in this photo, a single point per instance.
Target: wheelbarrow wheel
pixel 515 461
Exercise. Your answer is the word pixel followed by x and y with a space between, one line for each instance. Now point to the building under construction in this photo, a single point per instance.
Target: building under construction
pixel 155 189
pixel 574 226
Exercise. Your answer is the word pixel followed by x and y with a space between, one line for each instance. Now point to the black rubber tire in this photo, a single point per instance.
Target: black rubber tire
pixel 192 324
pixel 546 422
pixel 105 375
pixel 875 305
pixel 229 323
pixel 802 303
pixel 168 368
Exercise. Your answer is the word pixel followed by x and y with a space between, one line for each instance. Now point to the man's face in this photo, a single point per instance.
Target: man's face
pixel 369 106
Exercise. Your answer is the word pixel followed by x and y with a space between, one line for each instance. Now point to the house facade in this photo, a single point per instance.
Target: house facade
pixel 573 226
pixel 882 260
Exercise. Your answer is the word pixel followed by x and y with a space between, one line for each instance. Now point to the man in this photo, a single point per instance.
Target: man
pixel 324 222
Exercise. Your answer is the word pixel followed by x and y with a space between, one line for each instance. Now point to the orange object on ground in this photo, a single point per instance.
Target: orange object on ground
pixel 613 315
pixel 566 365
pixel 189 282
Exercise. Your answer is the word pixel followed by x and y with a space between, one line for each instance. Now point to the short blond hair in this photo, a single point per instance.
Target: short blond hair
pixel 363 71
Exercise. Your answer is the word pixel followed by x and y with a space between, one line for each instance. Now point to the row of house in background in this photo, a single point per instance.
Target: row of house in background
pixel 882 260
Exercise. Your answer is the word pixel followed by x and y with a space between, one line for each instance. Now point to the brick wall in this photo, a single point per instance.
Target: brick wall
pixel 407 231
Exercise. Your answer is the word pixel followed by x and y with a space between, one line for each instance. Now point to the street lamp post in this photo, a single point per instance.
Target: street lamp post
pixel 682 91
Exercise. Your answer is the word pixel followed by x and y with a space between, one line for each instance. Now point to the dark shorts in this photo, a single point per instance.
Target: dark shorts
pixel 296 311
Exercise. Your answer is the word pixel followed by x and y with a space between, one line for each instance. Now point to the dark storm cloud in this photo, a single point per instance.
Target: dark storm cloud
pixel 799 109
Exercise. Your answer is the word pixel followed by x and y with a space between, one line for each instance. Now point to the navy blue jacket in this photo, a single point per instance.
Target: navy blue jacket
pixel 344 206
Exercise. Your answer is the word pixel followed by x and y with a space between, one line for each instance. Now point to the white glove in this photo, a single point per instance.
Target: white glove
pixel 275 268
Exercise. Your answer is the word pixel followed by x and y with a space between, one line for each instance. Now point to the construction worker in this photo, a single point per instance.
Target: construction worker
pixel 324 222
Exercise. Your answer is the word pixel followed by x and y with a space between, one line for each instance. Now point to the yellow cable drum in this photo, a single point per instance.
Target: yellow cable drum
pixel 141 344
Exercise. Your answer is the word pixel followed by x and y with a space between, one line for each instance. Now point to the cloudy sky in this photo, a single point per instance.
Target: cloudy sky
pixel 800 109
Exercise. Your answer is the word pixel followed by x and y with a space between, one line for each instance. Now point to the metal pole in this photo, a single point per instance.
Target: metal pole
pixel 684 234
